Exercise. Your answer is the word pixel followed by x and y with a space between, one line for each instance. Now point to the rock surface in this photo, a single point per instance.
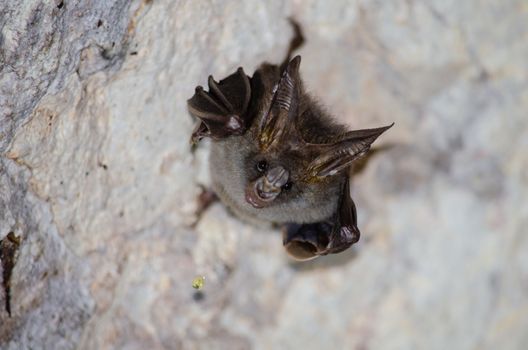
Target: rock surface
pixel 97 179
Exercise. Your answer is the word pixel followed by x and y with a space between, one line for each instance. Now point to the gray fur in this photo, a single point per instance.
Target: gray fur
pixel 229 179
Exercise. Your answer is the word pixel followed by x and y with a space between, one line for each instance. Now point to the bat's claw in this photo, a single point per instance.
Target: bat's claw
pixel 205 199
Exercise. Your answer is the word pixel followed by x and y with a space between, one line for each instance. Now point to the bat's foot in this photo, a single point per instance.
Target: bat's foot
pixel 205 199
pixel 296 41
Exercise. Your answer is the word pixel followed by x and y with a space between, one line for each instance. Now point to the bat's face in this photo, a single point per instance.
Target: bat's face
pixel 279 180
pixel 274 178
pixel 270 186
pixel 271 178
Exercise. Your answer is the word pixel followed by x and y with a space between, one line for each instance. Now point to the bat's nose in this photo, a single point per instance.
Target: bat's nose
pixel 277 177
pixel 266 188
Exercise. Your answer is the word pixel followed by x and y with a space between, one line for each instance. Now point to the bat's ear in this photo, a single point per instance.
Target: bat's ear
pixel 283 109
pixel 338 156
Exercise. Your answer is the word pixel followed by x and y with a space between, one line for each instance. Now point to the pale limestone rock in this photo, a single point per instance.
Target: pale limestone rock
pixel 98 179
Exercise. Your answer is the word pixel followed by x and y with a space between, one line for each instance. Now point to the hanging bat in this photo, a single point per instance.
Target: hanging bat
pixel 276 156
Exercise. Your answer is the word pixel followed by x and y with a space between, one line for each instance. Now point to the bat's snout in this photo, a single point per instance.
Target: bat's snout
pixel 265 189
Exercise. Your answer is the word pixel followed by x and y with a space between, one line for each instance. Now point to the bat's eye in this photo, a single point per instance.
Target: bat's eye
pixel 262 166
pixel 287 186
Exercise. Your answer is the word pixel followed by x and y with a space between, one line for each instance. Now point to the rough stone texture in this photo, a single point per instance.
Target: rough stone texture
pixel 97 179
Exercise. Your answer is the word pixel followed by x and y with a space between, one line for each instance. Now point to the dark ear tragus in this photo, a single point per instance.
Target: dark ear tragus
pixel 223 109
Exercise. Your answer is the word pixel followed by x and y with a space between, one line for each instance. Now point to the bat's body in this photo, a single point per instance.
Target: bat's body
pixel 277 157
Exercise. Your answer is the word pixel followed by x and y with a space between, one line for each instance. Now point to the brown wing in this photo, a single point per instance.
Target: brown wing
pixel 223 109
pixel 308 241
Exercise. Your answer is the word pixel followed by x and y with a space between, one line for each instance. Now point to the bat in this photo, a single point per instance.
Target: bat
pixel 276 156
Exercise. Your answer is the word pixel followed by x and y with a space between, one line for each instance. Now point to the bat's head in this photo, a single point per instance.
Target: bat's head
pixel 286 172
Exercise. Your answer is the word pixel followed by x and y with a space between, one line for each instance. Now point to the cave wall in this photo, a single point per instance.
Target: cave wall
pixel 98 183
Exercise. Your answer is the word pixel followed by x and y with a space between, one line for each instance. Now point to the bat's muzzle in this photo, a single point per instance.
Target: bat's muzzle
pixel 265 189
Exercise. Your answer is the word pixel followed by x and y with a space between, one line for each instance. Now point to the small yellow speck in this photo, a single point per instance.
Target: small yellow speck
pixel 198 282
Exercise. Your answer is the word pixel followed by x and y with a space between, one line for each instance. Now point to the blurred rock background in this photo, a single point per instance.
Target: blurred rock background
pixel 97 180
